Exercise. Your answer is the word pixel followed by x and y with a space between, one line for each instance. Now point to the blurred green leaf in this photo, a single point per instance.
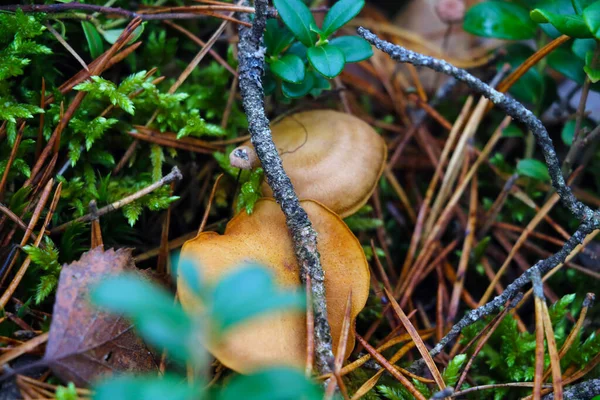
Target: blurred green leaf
pixel 340 13
pixel 94 40
pixel 327 60
pixel 231 306
pixel 112 35
pixel 298 18
pixel 354 48
pixel 500 20
pixel 591 16
pixel 580 47
pixel 533 168
pixel 168 386
pixel 591 69
pixel 271 384
pixel 562 60
pixel 157 318
pixel 570 25
pixel 568 131
pixel 530 87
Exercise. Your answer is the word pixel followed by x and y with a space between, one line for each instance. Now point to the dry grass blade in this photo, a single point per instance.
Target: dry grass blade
pixel 208 206
pixel 530 62
pixel 67 46
pixel 418 342
pixel 21 273
pixel 574 334
pixel 32 222
pixel 453 165
pixel 466 252
pixel 400 192
pixel 554 358
pixel 390 368
pixel 539 335
pixel 341 351
pixel 11 159
pixel 23 348
pixel 530 227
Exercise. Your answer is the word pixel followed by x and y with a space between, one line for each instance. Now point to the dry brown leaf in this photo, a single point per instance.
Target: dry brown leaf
pixel 85 343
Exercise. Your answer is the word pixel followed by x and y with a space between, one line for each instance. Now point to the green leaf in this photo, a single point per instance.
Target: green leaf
pixel 156 317
pixel 500 20
pixel 354 48
pixel 320 83
pixel 298 18
pixel 112 35
pixel 452 371
pixel 340 13
pixel 591 16
pixel 189 271
pixel 533 168
pixel 592 73
pixel 580 5
pixel 298 49
pixel 580 47
pixel 327 60
pixel 247 293
pixel 277 38
pixel 512 131
pixel 290 68
pixel 530 87
pixel 271 384
pixel 93 38
pixel 568 131
pixel 168 386
pixel 562 60
pixel 570 25
pixel 297 90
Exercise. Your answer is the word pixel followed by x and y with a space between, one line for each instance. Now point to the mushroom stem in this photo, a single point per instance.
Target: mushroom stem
pixel 304 237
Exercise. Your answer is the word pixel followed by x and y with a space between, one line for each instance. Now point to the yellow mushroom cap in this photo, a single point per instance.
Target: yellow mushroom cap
pixel 331 157
pixel 279 338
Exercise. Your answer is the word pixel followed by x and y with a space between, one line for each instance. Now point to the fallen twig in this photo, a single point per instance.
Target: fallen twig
pixel 304 237
pixel 175 174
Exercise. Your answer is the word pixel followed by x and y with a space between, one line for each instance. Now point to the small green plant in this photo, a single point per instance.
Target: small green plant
pixel 242 295
pixel 301 57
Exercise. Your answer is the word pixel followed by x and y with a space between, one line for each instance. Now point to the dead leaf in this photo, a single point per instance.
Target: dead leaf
pixel 84 343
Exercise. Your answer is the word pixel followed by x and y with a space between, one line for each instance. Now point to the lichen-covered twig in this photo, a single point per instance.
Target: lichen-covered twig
pixel 582 391
pixel 511 107
pixel 590 220
pixel 304 237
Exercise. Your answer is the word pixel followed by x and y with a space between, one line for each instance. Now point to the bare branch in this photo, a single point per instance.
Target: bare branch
pixel 304 237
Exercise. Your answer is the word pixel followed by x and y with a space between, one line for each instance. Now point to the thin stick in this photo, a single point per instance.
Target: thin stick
pixel 304 238
pixel 210 200
pixel 175 174
pixel 539 334
pixel 418 342
pixel 511 107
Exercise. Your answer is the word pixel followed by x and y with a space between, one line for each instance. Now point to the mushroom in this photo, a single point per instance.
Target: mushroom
pixel 331 157
pixel 279 338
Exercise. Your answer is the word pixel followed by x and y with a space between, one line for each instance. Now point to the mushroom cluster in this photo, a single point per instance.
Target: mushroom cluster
pixel 334 161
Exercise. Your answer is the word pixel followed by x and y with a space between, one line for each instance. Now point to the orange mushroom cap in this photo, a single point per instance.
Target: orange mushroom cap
pixel 332 157
pixel 279 338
